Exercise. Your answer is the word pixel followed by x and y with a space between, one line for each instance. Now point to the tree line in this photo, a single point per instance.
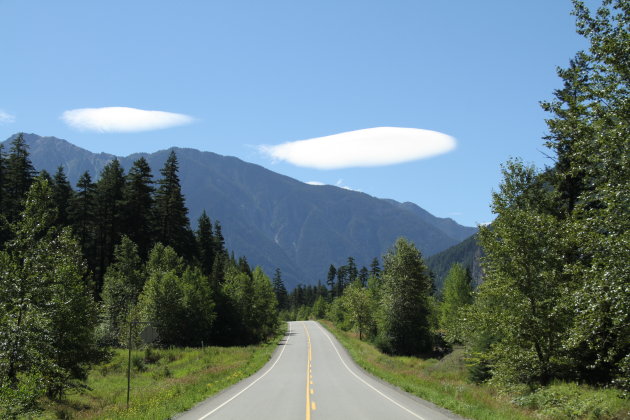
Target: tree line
pixel 77 265
pixel 555 300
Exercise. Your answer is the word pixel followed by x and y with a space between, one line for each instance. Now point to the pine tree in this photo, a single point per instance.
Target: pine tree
pixel 375 269
pixel 342 280
pixel 351 269
pixel 109 213
pixel 205 243
pixel 218 239
pixel 4 231
pixel 243 265
pixel 330 280
pixel 171 213
pixel 19 177
pixel 364 275
pixel 280 290
pixel 138 206
pixel 82 218
pixel 62 194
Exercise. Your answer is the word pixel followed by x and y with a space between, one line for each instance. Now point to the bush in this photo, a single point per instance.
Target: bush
pixel 137 362
pixel 566 401
pixel 150 356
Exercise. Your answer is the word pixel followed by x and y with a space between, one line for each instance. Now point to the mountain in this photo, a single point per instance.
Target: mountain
pixel 468 253
pixel 274 220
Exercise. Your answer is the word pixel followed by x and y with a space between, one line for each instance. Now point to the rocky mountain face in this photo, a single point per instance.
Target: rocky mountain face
pixel 274 220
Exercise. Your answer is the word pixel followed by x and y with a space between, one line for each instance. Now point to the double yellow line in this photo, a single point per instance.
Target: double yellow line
pixel 309 377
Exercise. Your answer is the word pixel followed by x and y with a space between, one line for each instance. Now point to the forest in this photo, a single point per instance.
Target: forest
pixel 83 270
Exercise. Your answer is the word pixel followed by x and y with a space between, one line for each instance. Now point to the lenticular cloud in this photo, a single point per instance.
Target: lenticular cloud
pixel 369 147
pixel 122 119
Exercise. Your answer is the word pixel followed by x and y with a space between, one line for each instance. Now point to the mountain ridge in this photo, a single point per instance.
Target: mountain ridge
pixel 274 220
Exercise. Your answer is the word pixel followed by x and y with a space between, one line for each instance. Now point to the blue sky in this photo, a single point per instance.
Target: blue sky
pixel 230 76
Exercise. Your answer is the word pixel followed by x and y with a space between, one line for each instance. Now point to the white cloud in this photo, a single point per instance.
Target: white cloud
pixel 368 147
pixel 6 118
pixel 122 119
pixel 315 183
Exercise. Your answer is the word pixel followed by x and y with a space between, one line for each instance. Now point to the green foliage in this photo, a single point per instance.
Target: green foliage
pixel 62 196
pixel 47 316
pixel 253 302
pixel 205 243
pixel 108 218
pixel 320 307
pixel 137 203
pixel 555 298
pixel 123 283
pixel 280 291
pixel 359 307
pixel 457 294
pixel 18 177
pixel 177 300
pixel 172 222
pixel 404 325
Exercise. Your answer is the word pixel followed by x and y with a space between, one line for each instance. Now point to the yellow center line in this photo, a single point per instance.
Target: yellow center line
pixel 309 377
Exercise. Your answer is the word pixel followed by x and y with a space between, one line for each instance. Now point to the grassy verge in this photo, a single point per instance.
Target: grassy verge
pixel 163 382
pixel 444 383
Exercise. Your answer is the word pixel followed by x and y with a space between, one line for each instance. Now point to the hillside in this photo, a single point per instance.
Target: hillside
pixel 274 220
pixel 468 253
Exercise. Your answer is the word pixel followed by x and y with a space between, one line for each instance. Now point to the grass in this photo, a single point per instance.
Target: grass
pixel 444 383
pixel 164 382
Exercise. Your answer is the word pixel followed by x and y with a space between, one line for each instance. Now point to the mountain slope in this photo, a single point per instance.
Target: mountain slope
pixel 274 220
pixel 468 253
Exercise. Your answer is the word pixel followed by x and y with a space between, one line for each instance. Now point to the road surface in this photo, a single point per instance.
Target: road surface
pixel 309 377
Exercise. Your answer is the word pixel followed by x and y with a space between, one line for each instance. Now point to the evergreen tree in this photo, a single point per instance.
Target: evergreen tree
pixel 18 178
pixel 205 243
pixel 3 174
pixel 82 218
pixel 280 290
pixel 218 239
pixel 342 280
pixel 137 206
pixel 375 269
pixel 4 230
pixel 406 286
pixel 364 275
pixel 62 194
pixel 171 213
pixel 244 266
pixel 108 217
pixel 352 271
pixel 330 280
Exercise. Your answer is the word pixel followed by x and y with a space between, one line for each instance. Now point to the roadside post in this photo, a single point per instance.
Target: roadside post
pixel 148 335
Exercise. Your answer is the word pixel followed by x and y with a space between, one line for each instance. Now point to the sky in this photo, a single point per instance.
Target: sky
pixel 411 100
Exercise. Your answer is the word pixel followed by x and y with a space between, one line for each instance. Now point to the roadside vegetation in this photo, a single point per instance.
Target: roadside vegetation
pixel 444 381
pixel 164 382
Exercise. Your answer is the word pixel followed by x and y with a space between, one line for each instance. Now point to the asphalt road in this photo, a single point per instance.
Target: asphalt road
pixel 311 376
